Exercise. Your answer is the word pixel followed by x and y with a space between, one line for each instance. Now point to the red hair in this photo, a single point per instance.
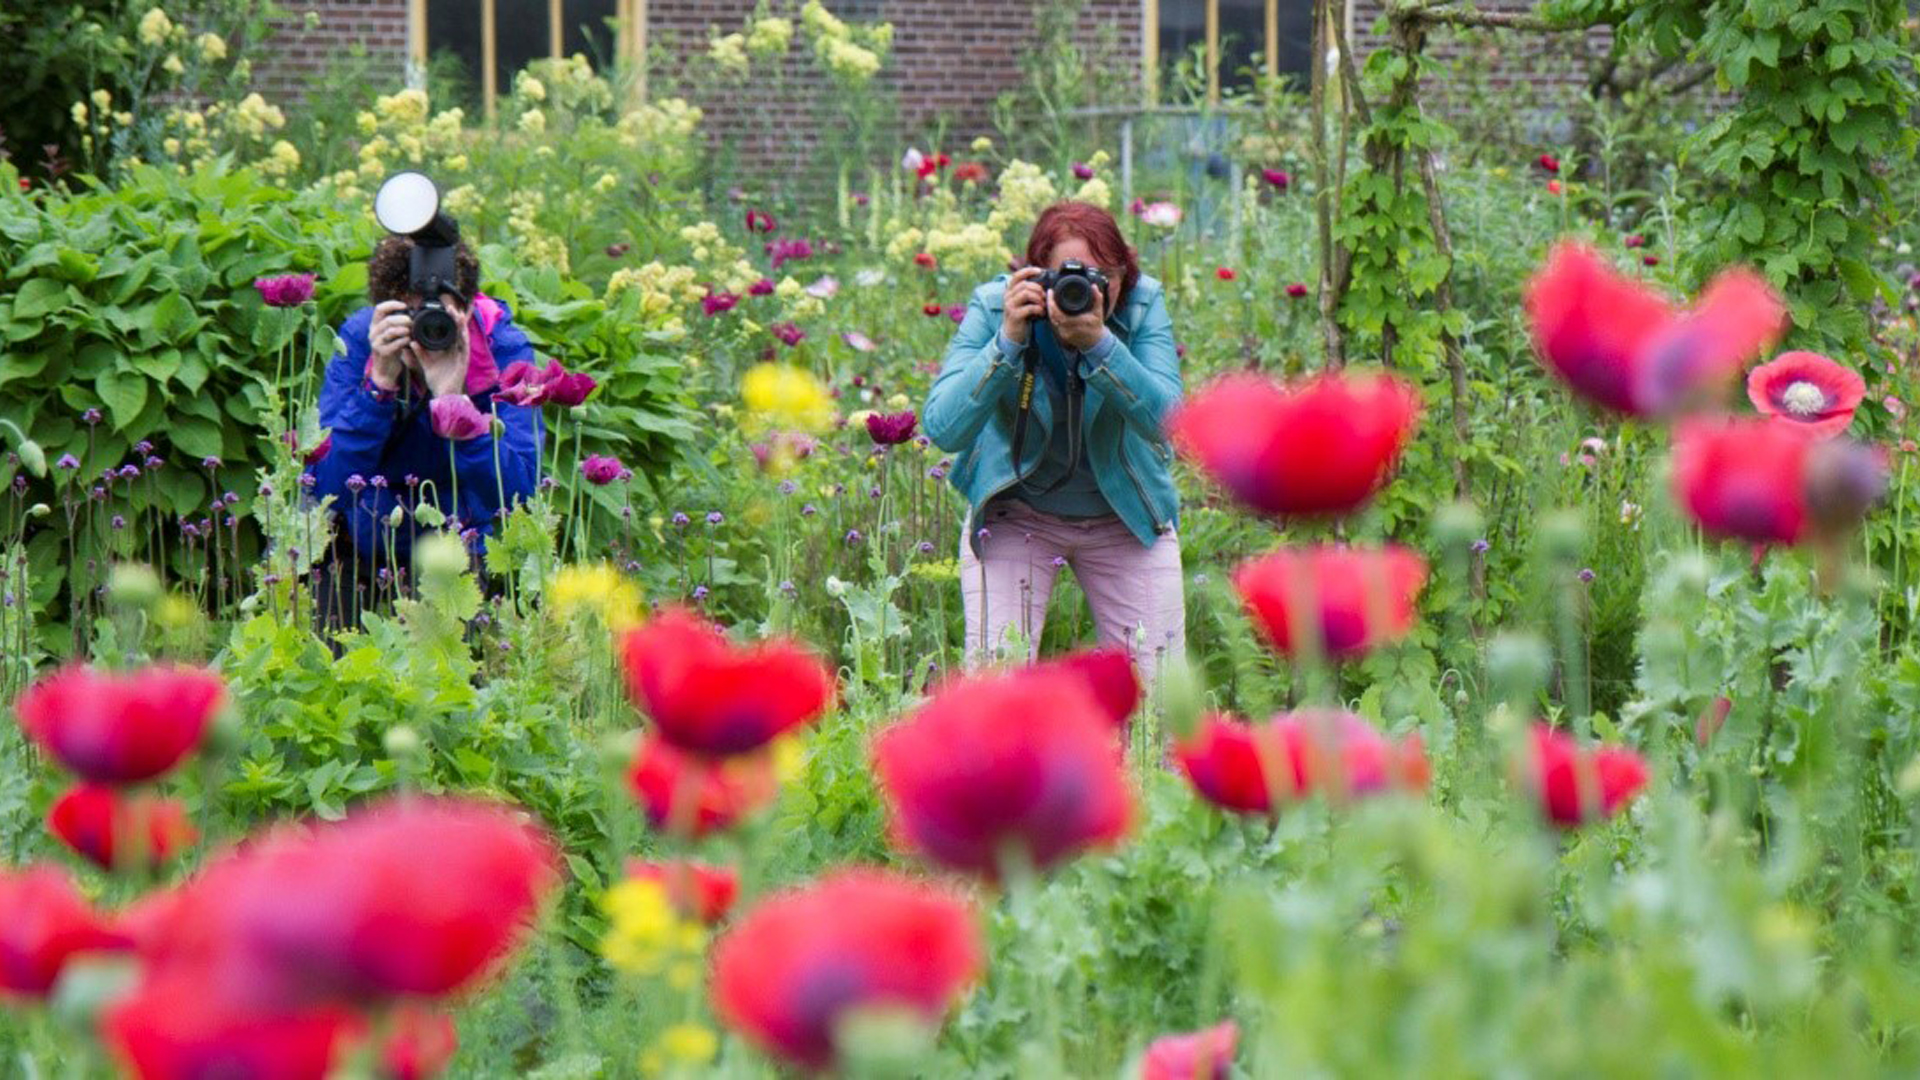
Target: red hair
pixel 1102 234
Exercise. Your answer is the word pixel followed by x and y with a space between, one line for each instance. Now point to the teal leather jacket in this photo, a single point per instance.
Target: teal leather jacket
pixel 970 410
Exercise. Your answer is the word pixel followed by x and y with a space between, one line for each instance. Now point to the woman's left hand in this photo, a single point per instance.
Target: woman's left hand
pixel 1078 332
pixel 445 371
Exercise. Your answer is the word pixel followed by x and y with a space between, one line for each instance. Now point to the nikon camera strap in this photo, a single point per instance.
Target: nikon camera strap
pixel 1076 394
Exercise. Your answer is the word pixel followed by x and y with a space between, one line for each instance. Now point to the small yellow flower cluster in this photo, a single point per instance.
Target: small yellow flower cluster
pixel 155 28
pixel 972 246
pixel 770 36
pixel 213 47
pixel 682 1045
pixel 172 65
pixel 647 937
pixel 671 120
pixel 1095 191
pixel 538 247
pixel 565 84
pixel 253 117
pixel 405 109
pixel 729 54
pixel 598 590
pixel 786 398
pixel 1025 190
pixel 905 244
pixel 280 161
pixel 533 122
pixel 529 87
pixel 853 56
pixel 661 288
pixel 462 201
pixel 443 132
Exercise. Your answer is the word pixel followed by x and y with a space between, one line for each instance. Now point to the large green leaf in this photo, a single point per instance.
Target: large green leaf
pixel 125 393
pixel 39 298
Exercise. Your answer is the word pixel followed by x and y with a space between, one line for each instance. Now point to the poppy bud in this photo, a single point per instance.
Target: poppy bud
pixel 133 586
pixel 440 558
pixel 1843 479
pixel 430 515
pixel 1517 664
pixel 33 457
pixel 396 516
pixel 39 510
pixel 402 742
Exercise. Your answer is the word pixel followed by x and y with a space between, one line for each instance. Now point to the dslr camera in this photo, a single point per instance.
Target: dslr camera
pixel 408 203
pixel 1077 287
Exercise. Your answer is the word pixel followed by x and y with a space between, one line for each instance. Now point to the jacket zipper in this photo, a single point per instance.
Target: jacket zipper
pixel 1139 488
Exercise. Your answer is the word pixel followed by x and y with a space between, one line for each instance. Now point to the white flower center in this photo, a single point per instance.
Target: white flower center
pixel 1804 399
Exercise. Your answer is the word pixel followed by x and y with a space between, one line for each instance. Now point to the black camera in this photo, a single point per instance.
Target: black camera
pixel 409 203
pixel 1077 288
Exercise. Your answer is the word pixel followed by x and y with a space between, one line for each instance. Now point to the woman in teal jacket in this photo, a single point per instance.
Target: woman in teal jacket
pixel 1092 489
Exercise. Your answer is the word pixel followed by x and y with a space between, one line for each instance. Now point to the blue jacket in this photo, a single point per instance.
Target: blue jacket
pixel 394 439
pixel 1133 381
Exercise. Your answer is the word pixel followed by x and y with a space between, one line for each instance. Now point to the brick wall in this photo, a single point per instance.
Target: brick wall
pixel 295 54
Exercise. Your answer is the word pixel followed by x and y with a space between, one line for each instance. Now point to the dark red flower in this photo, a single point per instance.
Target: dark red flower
pixel 1743 479
pixel 600 470
pixel 1553 187
pixel 1108 675
pixel 1650 260
pixel 105 827
pixel 1321 445
pixel 285 290
pixel 120 728
pixel 319 453
pixel 1297 290
pixel 1353 599
pixel 697 890
pixel 716 302
pixel 1621 345
pixel 412 897
pixel 789 334
pixel 1198 1055
pixel 891 429
pixel 1276 179
pixel 1635 241
pixel 172 1029
pixel 45 924
pixel 1711 721
pixel 931 308
pixel 1225 273
pixel 1576 785
pixel 932 163
pixel 1082 171
pixel 970 172
pixel 420 1044
pixel 1808 391
pixel 571 388
pixel 708 696
pixel 1549 163
pixel 925 260
pixel 763 287
pixel 1026 758
pixel 685 795
pixel 759 221
pixel 1253 768
pixel 802 960
pixel 957 313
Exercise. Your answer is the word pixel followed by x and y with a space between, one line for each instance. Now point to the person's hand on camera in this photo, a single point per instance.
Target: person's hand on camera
pixel 446 371
pixel 389 337
pixel 1078 332
pixel 1025 302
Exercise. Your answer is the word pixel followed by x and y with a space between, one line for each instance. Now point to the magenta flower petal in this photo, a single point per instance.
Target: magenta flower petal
pixel 455 417
pixel 1808 391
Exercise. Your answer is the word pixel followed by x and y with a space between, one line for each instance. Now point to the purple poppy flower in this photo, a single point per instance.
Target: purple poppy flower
pixel 891 429
pixel 714 517
pixel 763 287
pixel 600 470
pixel 1276 179
pixel 456 418
pixel 285 290
pixel 67 462
pixel 716 302
pixel 786 250
pixel 788 333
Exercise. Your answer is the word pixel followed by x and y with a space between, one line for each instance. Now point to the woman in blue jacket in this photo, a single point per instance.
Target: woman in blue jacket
pixel 409 427
pixel 1092 489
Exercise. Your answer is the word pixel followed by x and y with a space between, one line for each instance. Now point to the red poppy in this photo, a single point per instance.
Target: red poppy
pixel 120 728
pixel 925 260
pixel 1276 178
pixel 361 910
pixel 1743 479
pixel 47 923
pixel 1321 445
pixel 1247 767
pixel 683 794
pixel 802 960
pixel 1635 241
pixel 1297 290
pixel 1808 391
pixel 759 221
pixel 1198 1055
pixel 1576 785
pixel 1224 273
pixel 1354 598
pixel 105 827
pixel 1549 163
pixel 697 890
pixel 172 1029
pixel 932 163
pixel 1621 345
pixel 1553 187
pixel 1108 675
pixel 932 308
pixel 1711 721
pixel 708 696
pixel 1650 260
pixel 970 172
pixel 420 1044
pixel 1026 758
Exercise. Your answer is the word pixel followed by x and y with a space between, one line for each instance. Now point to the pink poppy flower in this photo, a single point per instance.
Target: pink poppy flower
pixel 454 417
pixel 285 290
pixel 1276 179
pixel 716 302
pixel 1807 391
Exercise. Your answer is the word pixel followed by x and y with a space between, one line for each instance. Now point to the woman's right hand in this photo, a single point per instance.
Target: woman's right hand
pixel 1025 302
pixel 388 337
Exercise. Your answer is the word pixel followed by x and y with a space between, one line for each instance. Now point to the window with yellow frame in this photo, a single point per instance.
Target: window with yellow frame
pixel 1240 39
pixel 498 37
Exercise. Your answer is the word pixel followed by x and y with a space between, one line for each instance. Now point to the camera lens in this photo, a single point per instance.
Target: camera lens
pixel 1073 295
pixel 434 328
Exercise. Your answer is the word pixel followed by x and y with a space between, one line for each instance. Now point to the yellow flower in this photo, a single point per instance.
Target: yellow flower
pixel 786 398
pixel 689 1043
pixel 641 926
pixel 982 144
pixel 212 47
pixel 80 113
pixel 408 108
pixel 600 590
pixel 729 54
pixel 770 37
pixel 171 145
pixel 530 88
pixel 102 100
pixel 789 758
pixel 154 27
pixel 788 288
pixel 172 65
pixel 1094 191
pixel 533 122
pixel 850 61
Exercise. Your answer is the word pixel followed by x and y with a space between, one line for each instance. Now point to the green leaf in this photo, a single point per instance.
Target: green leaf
pixel 39 298
pixel 125 393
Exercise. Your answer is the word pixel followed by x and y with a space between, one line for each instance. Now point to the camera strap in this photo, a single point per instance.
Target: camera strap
pixel 1023 410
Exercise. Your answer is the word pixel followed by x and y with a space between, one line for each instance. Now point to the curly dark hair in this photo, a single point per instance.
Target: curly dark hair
pixel 387 276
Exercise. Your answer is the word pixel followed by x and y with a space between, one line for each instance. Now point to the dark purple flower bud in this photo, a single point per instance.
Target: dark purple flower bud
pixel 548 483
pixel 873 492
pixel 230 498
pixel 91 416
pixel 787 587
pixel 209 463
pixel 788 487
pixel 983 534
pixel 356 483
pixel 154 463
pixel 118 522
pixel 128 472
pixel 714 517
pixel 853 537
pixel 412 481
pixel 926 547
pixel 680 519
pixel 809 510
pixel 936 473
pixel 699 592
pixel 1586 574
pixel 379 481
pixel 143 447
pixel 307 479
pixel 1480 546
pixel 99 493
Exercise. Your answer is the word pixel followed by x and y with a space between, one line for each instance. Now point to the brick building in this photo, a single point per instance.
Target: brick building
pixel 951 58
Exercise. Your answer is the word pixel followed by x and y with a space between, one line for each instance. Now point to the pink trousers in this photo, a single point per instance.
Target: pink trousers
pixel 1134 591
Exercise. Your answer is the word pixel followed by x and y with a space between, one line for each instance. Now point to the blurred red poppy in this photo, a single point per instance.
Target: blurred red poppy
pixel 1109 676
pixel 1355 598
pixel 105 827
pixel 970 172
pixel 120 728
pixel 46 924
pixel 1554 188
pixel 1198 1055
pixel 420 1044
pixel 1247 767
pixel 1620 344
pixel 759 221
pixel 697 890
pixel 1322 445
pixel 1225 273
pixel 1743 479
pixel 708 696
pixel 1807 391
pixel 1549 163
pixel 932 308
pixel 803 960
pixel 1576 785
pixel 712 794
pixel 172 1029
pixel 1026 758
pixel 925 260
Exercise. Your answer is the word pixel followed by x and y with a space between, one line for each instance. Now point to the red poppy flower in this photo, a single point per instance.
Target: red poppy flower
pixel 46 924
pixel 120 728
pixel 1553 187
pixel 361 910
pixel 802 960
pixel 105 827
pixel 1322 445
pixel 1297 290
pixel 707 696
pixel 1246 767
pixel 759 221
pixel 420 1044
pixel 932 308
pixel 1549 163
pixel 1026 758
pixel 1276 178
pixel 683 794
pixel 172 1029
pixel 1743 479
pixel 932 163
pixel 698 890
pixel 1355 598
pixel 1808 391
pixel 925 260
pixel 1621 345
pixel 1576 785
pixel 1198 1055
pixel 1108 675
pixel 970 172
pixel 1710 722
pixel 1635 241
pixel 1224 273
pixel 1650 260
